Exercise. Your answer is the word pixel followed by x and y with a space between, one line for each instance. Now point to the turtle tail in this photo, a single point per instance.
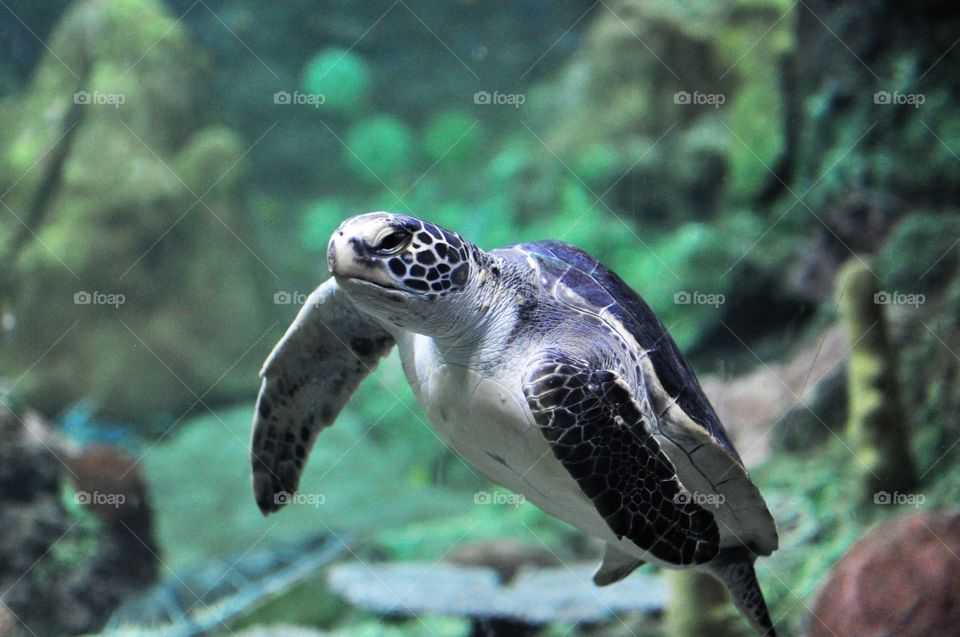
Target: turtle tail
pixel 734 567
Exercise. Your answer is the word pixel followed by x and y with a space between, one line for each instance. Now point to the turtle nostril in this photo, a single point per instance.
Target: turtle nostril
pixel 357 245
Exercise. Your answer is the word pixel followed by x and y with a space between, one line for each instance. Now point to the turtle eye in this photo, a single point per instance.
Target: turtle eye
pixel 392 242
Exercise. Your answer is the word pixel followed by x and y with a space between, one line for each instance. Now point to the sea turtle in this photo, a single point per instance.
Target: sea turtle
pixel 545 371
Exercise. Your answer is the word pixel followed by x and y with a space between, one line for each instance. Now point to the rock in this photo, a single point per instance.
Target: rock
pixel 62 570
pixel 899 579
pixel 8 623
pixel 536 597
pixel 280 631
pixel 110 482
pixel 647 65
pixel 380 148
pixel 32 516
pixel 341 76
pixel 858 221
pixel 26 469
pixel 784 405
pixel 104 154
pixel 877 429
pixel 920 255
pixel 855 67
pixel 504 556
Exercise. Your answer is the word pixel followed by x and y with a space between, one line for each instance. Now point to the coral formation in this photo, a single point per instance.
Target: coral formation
pixel 108 155
pixel 877 426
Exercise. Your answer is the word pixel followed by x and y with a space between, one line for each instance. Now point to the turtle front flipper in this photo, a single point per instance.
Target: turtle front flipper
pixel 307 379
pixel 600 435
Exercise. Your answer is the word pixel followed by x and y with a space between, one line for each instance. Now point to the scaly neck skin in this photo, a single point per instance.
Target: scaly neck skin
pixel 474 331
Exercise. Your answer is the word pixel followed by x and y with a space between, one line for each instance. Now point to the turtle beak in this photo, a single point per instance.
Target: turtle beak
pixel 348 257
pixel 332 251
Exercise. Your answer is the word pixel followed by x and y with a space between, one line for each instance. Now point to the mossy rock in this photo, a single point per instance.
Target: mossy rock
pixel 380 149
pixel 320 218
pixel 876 422
pixel 341 76
pixel 597 162
pixel 452 139
pixel 920 254
pixel 149 330
pixel 688 278
pixel 757 139
pixel 213 158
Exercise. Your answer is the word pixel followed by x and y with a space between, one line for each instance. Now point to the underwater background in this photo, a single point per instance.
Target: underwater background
pixel 779 180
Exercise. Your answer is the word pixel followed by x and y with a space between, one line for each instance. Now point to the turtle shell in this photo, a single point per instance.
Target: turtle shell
pixel 604 290
pixel 688 423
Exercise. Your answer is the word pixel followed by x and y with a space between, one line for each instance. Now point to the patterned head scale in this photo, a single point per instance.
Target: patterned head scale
pixel 401 254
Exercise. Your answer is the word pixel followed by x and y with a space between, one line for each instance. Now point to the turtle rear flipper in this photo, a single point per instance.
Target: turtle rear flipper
pixel 733 566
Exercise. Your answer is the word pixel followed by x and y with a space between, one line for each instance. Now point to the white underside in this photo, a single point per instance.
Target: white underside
pixel 484 419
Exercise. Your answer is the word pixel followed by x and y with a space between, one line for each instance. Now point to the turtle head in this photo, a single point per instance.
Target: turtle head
pixel 409 272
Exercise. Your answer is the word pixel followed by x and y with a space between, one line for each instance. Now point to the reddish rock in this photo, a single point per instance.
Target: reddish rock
pixel 901 579
pixel 110 482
